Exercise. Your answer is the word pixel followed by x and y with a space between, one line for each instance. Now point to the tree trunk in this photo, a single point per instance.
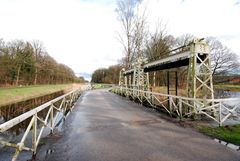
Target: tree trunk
pixel 18 74
pixel 35 76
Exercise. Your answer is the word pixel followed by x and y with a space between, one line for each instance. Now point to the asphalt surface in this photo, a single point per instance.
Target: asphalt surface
pixel 107 127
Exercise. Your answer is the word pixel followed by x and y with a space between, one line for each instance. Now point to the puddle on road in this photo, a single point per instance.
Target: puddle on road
pixel 141 122
pixel 145 122
pixel 100 127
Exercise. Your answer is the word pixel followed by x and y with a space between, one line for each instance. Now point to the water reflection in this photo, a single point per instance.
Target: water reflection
pixel 9 112
pixel 15 134
pixel 219 93
pixel 227 105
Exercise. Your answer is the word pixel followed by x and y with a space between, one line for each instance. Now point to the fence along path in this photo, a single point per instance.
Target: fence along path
pixel 219 110
pixel 59 106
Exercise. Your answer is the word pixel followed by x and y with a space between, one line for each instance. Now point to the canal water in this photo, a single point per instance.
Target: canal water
pixel 11 111
pixel 226 94
pixel 15 134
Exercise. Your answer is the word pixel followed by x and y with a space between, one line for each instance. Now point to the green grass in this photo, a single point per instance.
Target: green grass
pixel 228 133
pixel 17 94
pixel 231 87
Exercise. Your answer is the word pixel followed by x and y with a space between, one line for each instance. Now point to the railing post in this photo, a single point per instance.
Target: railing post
pixel 180 108
pixel 14 158
pixel 71 99
pixel 170 105
pixel 65 104
pixel 51 119
pixel 34 135
pixel 220 113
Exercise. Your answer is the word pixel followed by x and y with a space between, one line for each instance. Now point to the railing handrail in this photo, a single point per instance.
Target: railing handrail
pixel 212 108
pixel 9 124
pixel 185 98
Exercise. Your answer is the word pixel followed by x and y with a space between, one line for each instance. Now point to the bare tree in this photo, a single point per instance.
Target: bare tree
pixel 127 16
pixel 158 45
pixel 183 40
pixel 224 61
pixel 139 37
pixel 38 51
pixel 22 61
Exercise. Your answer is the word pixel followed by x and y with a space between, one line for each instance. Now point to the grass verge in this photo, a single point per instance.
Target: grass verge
pixel 231 87
pixel 229 134
pixel 16 94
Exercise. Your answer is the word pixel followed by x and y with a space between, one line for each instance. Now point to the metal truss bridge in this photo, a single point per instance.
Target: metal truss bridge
pixel 134 83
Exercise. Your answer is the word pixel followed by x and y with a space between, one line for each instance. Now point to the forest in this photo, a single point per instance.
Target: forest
pixel 28 63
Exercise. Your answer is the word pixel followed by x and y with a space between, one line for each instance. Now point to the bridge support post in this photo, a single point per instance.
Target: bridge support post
pixel 140 78
pixel 122 80
pixel 199 82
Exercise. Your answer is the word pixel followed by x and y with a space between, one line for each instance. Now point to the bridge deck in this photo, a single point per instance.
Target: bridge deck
pixel 106 127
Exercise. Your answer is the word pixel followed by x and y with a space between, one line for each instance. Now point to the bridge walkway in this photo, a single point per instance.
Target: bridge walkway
pixel 107 127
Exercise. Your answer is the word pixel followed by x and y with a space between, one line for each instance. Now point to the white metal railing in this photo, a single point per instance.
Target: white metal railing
pixel 218 110
pixel 60 105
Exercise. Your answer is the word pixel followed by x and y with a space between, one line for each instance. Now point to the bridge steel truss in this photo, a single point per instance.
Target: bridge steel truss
pixel 200 95
pixel 61 105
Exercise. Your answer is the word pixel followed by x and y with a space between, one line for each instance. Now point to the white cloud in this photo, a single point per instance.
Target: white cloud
pixel 202 18
pixel 82 34
pixel 79 34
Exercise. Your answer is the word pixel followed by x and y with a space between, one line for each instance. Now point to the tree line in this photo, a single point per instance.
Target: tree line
pixel 28 63
pixel 137 41
pixel 107 75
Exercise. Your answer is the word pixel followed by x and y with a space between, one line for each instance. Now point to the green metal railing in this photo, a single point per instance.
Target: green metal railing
pixel 219 110
pixel 59 105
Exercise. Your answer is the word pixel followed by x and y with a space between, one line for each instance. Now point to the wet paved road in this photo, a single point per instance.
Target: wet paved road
pixel 106 127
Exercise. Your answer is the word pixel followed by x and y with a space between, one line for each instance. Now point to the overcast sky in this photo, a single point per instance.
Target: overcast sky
pixel 82 33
